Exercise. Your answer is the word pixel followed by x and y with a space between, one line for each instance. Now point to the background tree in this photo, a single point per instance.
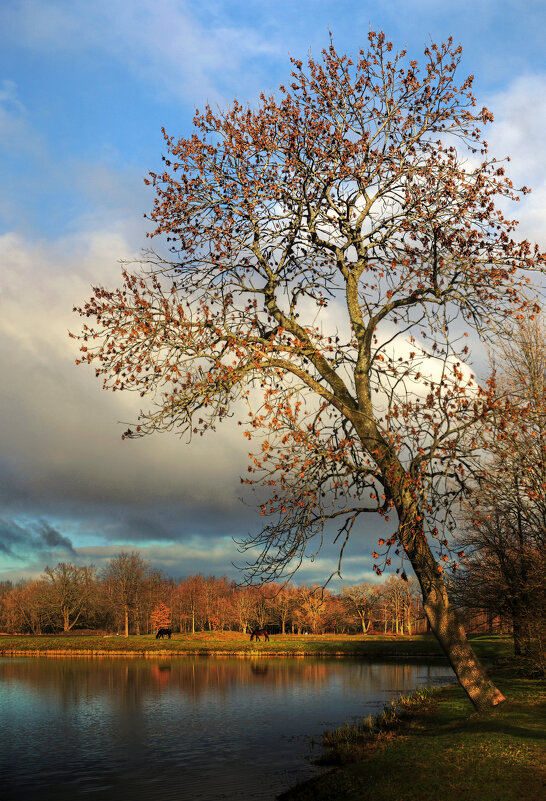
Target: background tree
pixel 312 607
pixel 505 537
pixel 244 607
pixel 190 593
pixel 26 609
pixel 281 604
pixel 352 190
pixel 156 588
pixel 161 617
pixel 361 601
pixel 409 604
pixel 69 589
pixel 123 579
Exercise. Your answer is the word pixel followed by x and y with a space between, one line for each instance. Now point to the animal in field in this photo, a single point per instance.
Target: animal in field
pixel 257 633
pixel 163 633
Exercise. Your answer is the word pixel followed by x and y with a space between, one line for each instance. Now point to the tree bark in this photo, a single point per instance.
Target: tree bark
pixel 443 620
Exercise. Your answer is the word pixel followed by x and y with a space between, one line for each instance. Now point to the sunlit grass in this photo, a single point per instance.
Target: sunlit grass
pixel 226 642
pixel 375 646
pixel 432 746
pixel 347 743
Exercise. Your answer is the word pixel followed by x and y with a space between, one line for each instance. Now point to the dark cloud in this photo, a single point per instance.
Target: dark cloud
pixel 32 540
pixel 52 538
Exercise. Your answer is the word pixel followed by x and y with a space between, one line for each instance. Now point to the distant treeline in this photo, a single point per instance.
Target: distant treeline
pixel 132 598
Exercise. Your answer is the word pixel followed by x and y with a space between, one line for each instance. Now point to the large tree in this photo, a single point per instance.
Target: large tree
pixel 329 249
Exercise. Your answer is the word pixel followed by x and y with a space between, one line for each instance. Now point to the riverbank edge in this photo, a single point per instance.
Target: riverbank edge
pixel 241 654
pixel 440 747
pixel 420 647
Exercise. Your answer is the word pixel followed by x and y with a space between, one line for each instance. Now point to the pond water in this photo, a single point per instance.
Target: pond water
pixel 183 728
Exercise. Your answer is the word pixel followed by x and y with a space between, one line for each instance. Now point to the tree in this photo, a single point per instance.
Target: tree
pixel 160 617
pixel 190 594
pixel 281 603
pixel 26 608
pixel 326 249
pixel 312 606
pixel 361 601
pixel 69 589
pixel 505 535
pixel 156 588
pixel 123 578
pixel 245 603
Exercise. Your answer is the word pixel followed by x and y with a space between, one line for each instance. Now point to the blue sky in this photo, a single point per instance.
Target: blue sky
pixel 85 88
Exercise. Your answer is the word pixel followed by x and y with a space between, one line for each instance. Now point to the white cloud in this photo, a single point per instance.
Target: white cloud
pixel 518 132
pixel 163 42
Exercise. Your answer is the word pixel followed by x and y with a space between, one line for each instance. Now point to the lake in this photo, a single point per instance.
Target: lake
pixel 182 728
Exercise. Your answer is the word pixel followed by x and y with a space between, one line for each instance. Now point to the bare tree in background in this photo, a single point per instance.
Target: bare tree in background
pixel 362 600
pixel 69 589
pixel 505 539
pixel 123 578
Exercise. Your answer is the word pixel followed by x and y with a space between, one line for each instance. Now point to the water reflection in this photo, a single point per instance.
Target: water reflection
pixel 181 728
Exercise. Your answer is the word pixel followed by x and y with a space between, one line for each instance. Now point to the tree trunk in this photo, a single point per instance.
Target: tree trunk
pixel 126 619
pixel 519 648
pixel 445 623
pixel 520 627
pixel 400 487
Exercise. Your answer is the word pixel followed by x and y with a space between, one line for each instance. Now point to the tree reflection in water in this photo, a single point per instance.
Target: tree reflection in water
pixel 181 728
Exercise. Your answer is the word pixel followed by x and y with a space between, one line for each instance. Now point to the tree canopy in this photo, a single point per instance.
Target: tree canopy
pixel 330 250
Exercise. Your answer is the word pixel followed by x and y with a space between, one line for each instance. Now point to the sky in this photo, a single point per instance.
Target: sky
pixel 85 88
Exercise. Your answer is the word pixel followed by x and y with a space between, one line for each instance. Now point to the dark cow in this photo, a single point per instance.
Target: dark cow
pixel 163 633
pixel 257 633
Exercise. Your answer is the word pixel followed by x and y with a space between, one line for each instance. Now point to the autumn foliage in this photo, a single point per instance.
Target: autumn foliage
pixel 160 617
pixel 329 252
pixel 200 603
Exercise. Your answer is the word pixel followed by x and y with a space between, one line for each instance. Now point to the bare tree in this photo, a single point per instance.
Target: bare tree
pixel 69 589
pixel 504 541
pixel 123 578
pixel 328 249
pixel 361 600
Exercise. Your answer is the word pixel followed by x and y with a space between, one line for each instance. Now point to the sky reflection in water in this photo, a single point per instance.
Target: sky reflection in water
pixel 179 729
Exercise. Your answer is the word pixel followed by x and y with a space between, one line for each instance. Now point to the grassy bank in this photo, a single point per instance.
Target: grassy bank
pixel 438 749
pixel 219 643
pixel 216 643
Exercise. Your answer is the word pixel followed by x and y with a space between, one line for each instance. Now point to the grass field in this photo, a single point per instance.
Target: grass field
pixel 218 643
pixel 439 749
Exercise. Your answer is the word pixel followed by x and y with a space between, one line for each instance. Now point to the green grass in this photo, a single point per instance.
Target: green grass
pixel 423 646
pixel 372 646
pixel 438 749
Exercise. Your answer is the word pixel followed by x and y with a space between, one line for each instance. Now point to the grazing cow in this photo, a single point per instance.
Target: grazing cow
pixel 163 633
pixel 257 633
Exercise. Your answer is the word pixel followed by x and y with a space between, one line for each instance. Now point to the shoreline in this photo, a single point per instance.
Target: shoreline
pixel 440 748
pixel 239 654
pixel 224 644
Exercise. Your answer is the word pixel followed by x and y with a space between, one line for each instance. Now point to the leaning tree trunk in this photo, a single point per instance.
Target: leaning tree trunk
pixel 443 620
